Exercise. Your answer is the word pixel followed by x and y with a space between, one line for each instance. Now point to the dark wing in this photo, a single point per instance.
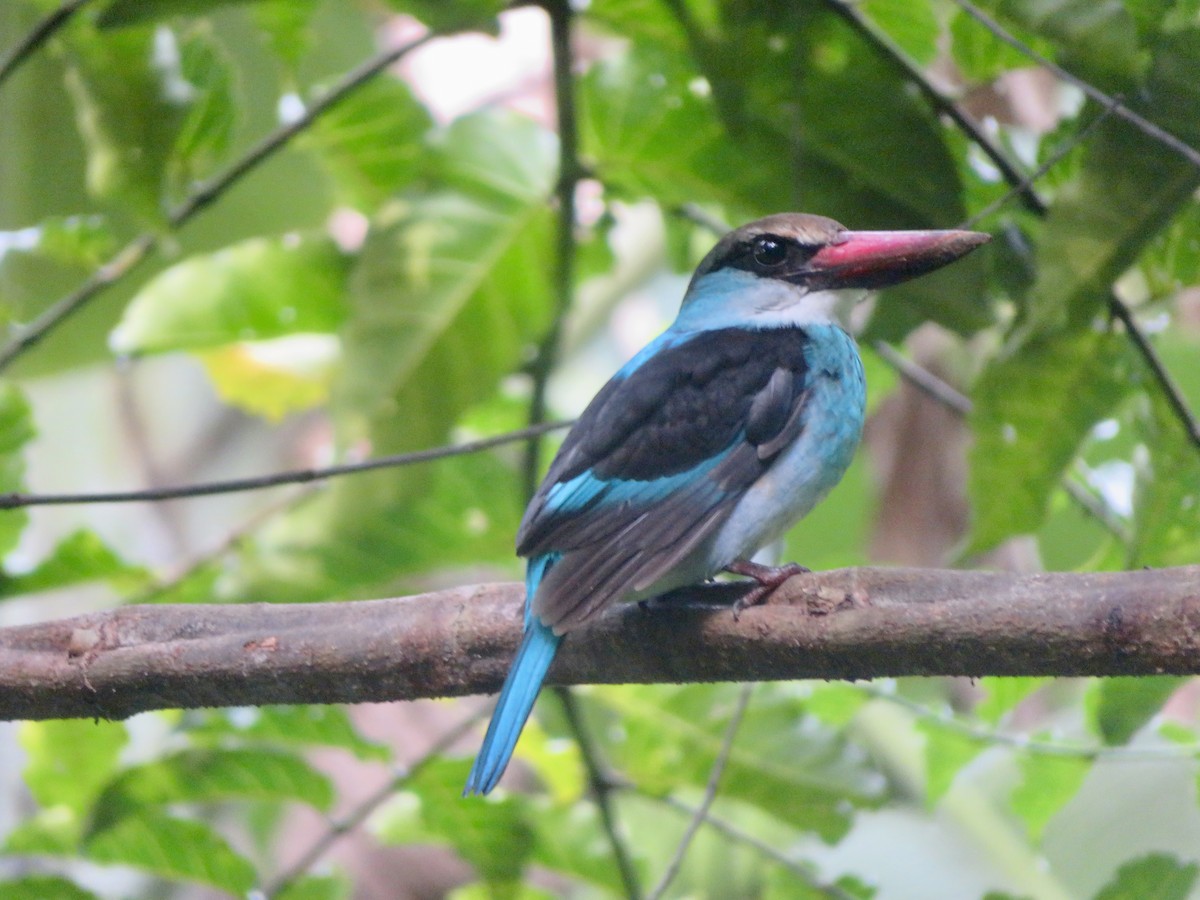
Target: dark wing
pixel 657 462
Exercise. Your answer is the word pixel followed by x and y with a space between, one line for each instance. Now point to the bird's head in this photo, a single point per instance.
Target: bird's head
pixel 787 267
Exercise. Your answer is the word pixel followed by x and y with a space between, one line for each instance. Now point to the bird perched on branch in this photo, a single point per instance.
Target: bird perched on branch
pixel 707 445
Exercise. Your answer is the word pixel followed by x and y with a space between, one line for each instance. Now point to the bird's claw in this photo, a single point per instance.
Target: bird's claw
pixel 769 579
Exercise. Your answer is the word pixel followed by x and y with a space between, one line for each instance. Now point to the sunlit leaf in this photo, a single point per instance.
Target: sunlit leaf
pixel 493 835
pixel 1003 695
pixel 1128 190
pixel 206 132
pixel 1119 707
pixel 172 848
pixel 316 887
pixel 947 752
pixel 207 775
pixel 782 761
pixel 1166 514
pixel 288 25
pixel 1032 412
pixel 70 761
pixel 16 430
pixel 450 292
pixel 288 726
pixel 1047 783
pixel 373 142
pixel 43 887
pixel 251 291
pixel 80 557
pixel 913 26
pixel 1153 877
pixel 130 100
pixel 275 378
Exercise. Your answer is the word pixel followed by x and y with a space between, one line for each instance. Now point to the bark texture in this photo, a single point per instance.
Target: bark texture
pixel 850 624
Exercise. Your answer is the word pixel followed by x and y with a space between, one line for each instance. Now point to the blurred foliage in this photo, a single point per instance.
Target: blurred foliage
pixel 380 283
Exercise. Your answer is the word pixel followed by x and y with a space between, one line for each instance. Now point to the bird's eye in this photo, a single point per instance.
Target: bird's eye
pixel 769 251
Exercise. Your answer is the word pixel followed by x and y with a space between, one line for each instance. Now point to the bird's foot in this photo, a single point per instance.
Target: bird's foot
pixel 769 579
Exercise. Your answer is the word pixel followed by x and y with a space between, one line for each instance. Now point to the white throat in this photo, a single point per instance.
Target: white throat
pixel 732 298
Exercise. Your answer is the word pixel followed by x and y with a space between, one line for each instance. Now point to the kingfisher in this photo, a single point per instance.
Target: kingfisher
pixel 709 443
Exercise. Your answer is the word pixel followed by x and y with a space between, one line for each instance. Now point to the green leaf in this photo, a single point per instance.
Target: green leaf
pixel 1047 783
pixel 122 13
pixel 70 761
pixel 1118 707
pixel 1025 439
pixel 449 293
pixel 316 887
pixel 43 887
pixel 1003 695
pixel 16 430
pixel 82 241
pixel 913 26
pixel 372 142
pixel 275 378
pixel 1156 876
pixel 174 849
pixel 78 558
pixel 1096 40
pixel 288 726
pixel 494 835
pixel 979 55
pixel 130 102
pixel 1166 515
pixel 947 752
pixel 207 775
pixel 462 15
pixel 836 703
pixel 1128 190
pixel 258 289
pixel 288 25
pixel 648 127
pixel 207 130
pixel 783 761
pixel 566 843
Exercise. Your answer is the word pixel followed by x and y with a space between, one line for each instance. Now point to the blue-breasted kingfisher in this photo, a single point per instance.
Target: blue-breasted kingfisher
pixel 708 444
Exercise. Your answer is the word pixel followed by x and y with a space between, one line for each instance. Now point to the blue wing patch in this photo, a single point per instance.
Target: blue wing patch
pixel 657 462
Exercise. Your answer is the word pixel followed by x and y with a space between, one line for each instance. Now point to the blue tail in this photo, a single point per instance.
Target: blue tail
pixel 519 692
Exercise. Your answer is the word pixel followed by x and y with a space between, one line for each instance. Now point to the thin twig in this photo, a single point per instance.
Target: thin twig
pixel 560 14
pixel 1169 388
pixel 945 394
pixel 710 794
pixel 353 819
pixel 890 51
pixel 138 249
pixel 296 476
pixel 1148 128
pixel 232 540
pixel 38 35
pixel 1037 174
pixel 734 833
pixel 922 379
pixel 990 736
pixel 602 787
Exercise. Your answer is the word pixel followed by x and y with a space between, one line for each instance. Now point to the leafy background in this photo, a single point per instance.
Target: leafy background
pixel 391 272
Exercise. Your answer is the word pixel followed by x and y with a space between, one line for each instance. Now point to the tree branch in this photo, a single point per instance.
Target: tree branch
pixel 1144 125
pixel 849 623
pixel 53 22
pixel 134 253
